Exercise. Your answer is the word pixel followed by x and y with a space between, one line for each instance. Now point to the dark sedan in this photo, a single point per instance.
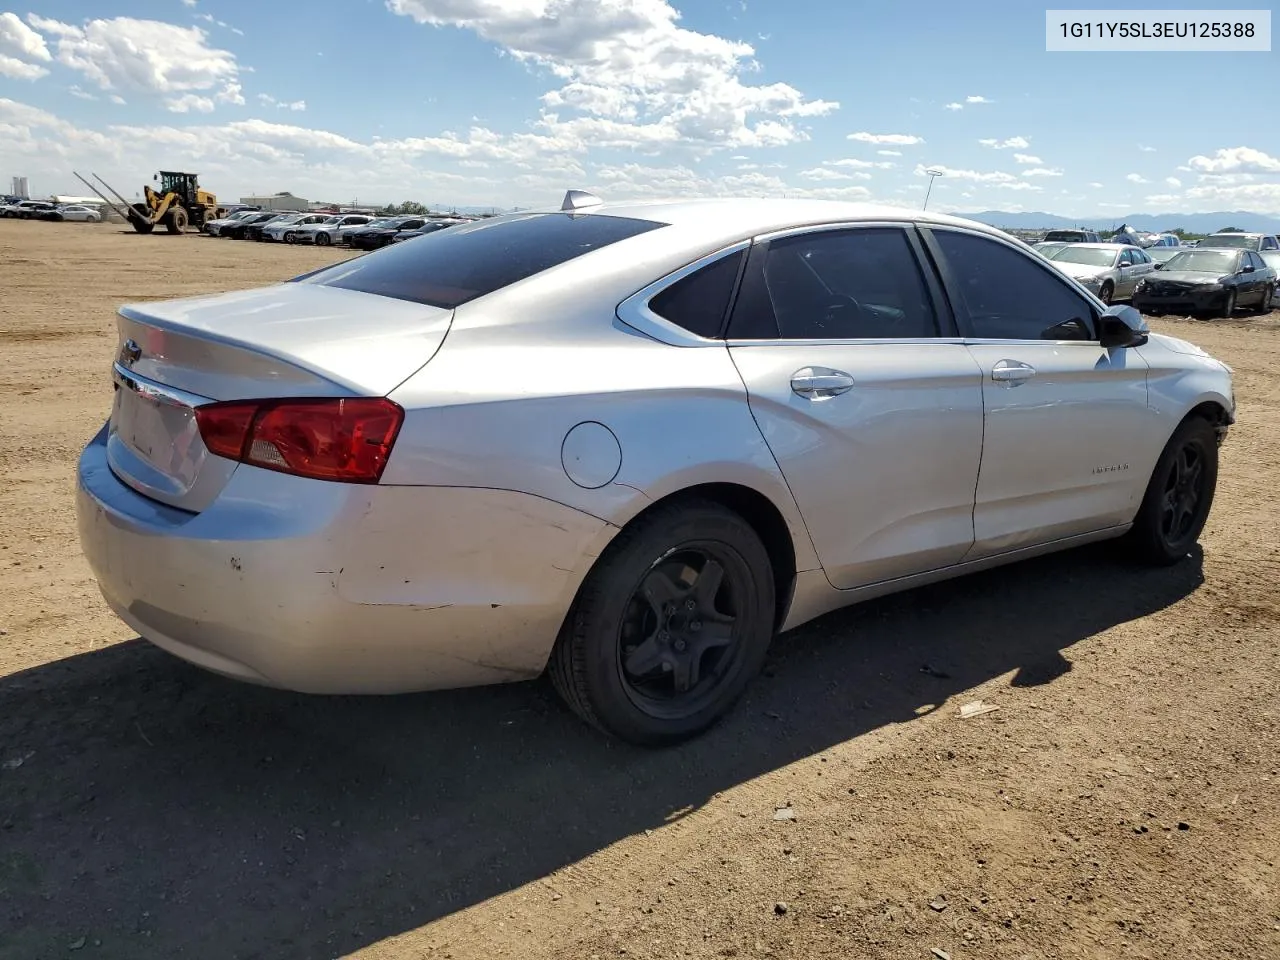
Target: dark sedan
pixel 375 237
pixel 239 229
pixel 1207 281
pixel 431 226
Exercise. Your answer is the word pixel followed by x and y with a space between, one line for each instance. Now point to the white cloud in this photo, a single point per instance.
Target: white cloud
pixel 1136 178
pixel 148 58
pixel 1041 172
pixel 1236 160
pixel 900 139
pixel 862 164
pixel 954 106
pixel 826 173
pixel 1095 185
pixel 889 153
pixel 975 176
pixel 976 100
pixel 189 102
pixel 630 74
pixel 16 69
pixel 19 46
pixel 297 105
pixel 1019 143
pixel 80 94
pixel 189 3
pixel 19 40
pixel 1145 149
pixel 1026 158
pixel 1173 181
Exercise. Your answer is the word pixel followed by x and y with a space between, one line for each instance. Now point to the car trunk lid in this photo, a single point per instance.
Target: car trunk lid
pixel 289 340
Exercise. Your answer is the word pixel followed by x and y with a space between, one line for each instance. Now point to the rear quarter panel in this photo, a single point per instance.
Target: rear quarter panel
pixel 493 409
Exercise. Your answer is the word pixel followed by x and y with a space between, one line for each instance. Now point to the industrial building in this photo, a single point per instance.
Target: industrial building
pixel 20 188
pixel 278 201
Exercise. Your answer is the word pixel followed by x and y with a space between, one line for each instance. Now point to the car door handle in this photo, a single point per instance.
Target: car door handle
pixel 1012 371
pixel 819 383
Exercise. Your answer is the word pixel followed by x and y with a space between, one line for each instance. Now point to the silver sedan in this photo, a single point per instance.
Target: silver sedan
pixel 627 443
pixel 1111 271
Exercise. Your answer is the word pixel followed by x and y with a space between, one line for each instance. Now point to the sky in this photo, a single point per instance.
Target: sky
pixel 511 102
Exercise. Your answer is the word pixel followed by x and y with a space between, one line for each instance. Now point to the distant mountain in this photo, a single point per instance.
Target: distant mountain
pixel 1153 222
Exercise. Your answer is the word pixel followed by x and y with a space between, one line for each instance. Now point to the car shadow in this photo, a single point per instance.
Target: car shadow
pixel 150 810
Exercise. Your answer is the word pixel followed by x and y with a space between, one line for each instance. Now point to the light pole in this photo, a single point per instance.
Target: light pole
pixel 931 173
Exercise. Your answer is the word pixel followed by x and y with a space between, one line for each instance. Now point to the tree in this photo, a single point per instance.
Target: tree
pixel 1231 230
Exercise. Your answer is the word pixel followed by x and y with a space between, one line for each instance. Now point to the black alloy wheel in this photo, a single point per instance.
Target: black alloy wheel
pixel 669 627
pixel 1179 494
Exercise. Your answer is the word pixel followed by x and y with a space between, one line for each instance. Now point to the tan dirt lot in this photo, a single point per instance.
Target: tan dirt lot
pixel 1123 802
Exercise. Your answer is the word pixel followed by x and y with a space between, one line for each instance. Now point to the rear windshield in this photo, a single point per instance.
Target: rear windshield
pixel 447 268
pixel 1235 240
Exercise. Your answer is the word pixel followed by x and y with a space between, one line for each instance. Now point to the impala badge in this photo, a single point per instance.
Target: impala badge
pixel 129 353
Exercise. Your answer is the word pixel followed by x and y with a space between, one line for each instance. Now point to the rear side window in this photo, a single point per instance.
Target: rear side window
pixel 447 268
pixel 699 301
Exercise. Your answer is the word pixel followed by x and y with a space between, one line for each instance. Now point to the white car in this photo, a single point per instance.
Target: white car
pixel 285 231
pixel 212 227
pixel 327 231
pixel 78 213
pixel 626 443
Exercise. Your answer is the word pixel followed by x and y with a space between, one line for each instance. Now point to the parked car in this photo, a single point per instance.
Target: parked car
pixel 31 210
pixel 1108 270
pixel 214 227
pixel 327 231
pixel 1272 259
pixel 1047 249
pixel 431 226
pixel 371 238
pixel 1164 254
pixel 282 230
pixel 79 213
pixel 344 233
pixel 1258 242
pixel 239 229
pixel 627 442
pixel 1072 236
pixel 1208 280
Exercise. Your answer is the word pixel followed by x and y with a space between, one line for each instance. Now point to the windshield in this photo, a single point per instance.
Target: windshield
pixel 1090 256
pixel 1203 261
pixel 289 218
pixel 1067 235
pixel 1238 241
pixel 1161 254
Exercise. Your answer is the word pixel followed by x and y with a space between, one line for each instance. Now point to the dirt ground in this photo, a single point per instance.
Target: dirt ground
pixel 1123 802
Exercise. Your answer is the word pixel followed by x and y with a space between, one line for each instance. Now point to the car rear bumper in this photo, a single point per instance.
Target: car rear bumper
pixel 338 588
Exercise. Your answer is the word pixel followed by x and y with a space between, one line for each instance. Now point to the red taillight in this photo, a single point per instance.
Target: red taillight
pixel 347 439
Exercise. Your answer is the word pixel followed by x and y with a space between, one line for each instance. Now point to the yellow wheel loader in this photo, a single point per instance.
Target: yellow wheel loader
pixel 179 203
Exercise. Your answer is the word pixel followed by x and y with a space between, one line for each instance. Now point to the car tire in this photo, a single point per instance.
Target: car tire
pixel 1168 523
pixel 323 239
pixel 639 590
pixel 1264 305
pixel 1229 305
pixel 1106 293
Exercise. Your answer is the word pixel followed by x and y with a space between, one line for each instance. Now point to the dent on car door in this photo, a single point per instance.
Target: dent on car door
pixel 1065 417
pixel 874 418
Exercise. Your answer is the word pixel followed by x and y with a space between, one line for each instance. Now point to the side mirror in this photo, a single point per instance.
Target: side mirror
pixel 1160 266
pixel 1121 326
pixel 1247 268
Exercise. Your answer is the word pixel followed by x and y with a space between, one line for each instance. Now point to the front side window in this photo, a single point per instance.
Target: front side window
pixel 862 283
pixel 1008 296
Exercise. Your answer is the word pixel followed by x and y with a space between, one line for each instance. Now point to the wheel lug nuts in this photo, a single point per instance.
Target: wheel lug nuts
pixel 680 645
pixel 664 636
pixel 690 604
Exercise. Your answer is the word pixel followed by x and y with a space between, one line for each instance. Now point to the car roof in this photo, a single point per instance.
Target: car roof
pixel 1105 246
pixel 696 223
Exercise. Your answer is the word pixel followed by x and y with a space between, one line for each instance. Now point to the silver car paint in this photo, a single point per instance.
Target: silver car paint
pixel 458 568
